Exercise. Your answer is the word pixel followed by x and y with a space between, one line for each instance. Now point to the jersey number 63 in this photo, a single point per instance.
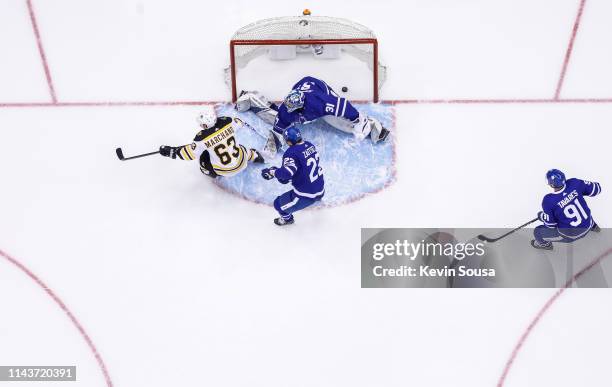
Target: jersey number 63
pixel 224 156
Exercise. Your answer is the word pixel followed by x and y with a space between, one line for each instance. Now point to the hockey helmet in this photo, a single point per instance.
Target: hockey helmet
pixel 555 178
pixel 294 100
pixel 207 118
pixel 292 135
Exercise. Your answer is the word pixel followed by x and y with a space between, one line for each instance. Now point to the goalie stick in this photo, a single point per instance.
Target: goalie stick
pixel 487 239
pixel 243 122
pixel 272 143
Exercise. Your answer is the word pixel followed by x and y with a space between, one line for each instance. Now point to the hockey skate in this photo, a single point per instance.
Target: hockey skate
pixel 541 246
pixel 258 157
pixel 384 133
pixel 283 222
pixel 378 133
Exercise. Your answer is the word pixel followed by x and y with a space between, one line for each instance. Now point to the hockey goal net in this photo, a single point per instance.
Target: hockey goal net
pixel 319 38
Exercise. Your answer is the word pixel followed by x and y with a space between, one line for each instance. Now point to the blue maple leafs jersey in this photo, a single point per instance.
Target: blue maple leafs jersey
pixel 567 210
pixel 319 100
pixel 301 167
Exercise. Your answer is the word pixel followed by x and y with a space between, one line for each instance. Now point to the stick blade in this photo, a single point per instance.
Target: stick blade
pixel 119 153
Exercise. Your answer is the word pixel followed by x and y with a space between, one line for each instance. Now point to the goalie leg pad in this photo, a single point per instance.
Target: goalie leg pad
pixel 273 145
pixel 339 123
pixel 362 127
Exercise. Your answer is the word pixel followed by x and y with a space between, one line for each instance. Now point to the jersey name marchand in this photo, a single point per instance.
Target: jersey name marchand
pixel 219 136
pixel 206 136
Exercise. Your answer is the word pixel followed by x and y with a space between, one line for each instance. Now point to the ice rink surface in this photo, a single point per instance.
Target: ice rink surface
pixel 154 276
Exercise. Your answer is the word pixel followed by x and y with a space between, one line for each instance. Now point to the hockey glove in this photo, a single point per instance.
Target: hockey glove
pixel 168 151
pixel 268 173
pixel 542 216
pixel 208 173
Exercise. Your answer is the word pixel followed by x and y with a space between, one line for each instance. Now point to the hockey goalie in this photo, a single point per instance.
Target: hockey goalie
pixel 310 99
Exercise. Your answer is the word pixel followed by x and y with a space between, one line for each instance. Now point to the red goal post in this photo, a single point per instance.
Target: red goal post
pixel 308 34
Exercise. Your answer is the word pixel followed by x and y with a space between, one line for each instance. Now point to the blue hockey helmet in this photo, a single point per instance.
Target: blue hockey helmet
pixel 294 100
pixel 292 135
pixel 555 178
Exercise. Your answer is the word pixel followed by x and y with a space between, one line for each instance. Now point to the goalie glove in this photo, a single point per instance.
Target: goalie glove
pixel 361 127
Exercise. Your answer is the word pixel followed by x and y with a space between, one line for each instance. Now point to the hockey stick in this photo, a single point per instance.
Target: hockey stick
pixel 123 158
pixel 486 239
pixel 251 127
pixel 268 152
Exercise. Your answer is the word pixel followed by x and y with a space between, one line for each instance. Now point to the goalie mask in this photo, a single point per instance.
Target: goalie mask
pixel 207 119
pixel 294 100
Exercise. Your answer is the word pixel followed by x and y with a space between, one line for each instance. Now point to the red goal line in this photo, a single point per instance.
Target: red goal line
pixel 389 101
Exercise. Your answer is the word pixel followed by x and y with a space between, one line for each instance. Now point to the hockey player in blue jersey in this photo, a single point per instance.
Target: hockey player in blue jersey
pixel 311 99
pixel 565 213
pixel 301 168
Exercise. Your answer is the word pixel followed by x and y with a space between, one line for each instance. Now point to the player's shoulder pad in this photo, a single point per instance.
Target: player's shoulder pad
pixel 588 188
pixel 308 78
pixel 201 135
pixel 282 109
pixel 291 151
pixel 575 183
pixel 299 83
pixel 288 152
pixel 548 201
pixel 222 121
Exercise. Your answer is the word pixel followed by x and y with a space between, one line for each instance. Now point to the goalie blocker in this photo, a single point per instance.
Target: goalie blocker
pixel 311 99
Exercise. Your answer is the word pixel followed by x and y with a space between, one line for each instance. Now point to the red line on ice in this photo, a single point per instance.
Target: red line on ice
pixel 499 101
pixel 540 314
pixel 41 51
pixel 71 316
pixel 389 101
pixel 570 47
pixel 104 104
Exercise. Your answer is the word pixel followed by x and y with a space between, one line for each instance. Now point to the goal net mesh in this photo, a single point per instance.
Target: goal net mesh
pixel 261 37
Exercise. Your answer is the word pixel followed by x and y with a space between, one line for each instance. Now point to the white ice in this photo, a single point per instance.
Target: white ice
pixel 181 284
